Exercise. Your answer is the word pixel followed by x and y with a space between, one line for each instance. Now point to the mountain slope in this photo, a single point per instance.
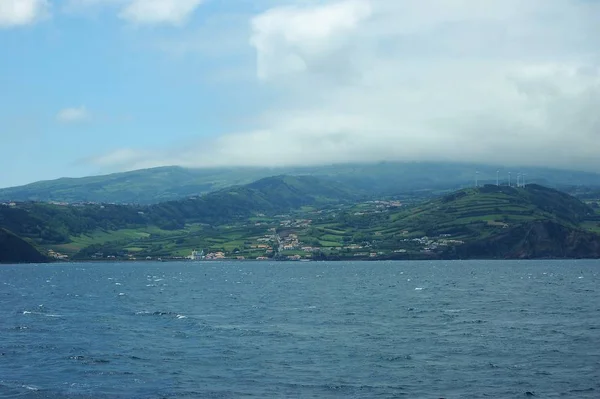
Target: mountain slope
pixel 534 240
pixel 145 186
pixel 277 194
pixel 150 186
pixel 56 224
pixel 15 250
pixel 505 222
pixel 471 212
pixel 484 222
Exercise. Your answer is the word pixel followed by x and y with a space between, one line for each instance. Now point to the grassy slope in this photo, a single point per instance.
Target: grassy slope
pixel 14 249
pixel 277 194
pixel 143 186
pixel 468 215
pixel 475 212
pixel 166 226
pixel 234 223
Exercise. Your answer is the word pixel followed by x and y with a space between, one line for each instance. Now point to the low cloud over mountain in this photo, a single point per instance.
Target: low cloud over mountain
pixel 357 80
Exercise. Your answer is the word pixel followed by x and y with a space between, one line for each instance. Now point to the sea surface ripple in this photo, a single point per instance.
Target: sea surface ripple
pixel 458 329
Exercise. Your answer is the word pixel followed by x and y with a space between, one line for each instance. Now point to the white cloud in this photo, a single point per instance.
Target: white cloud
pixel 73 115
pixel 22 12
pixel 174 12
pixel 125 159
pixel 287 38
pixel 146 12
pixel 502 81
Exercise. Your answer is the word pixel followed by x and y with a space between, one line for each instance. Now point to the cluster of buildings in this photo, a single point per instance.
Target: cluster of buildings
pixel 297 223
pixel 375 207
pixel 57 255
pixel 209 256
pixel 385 204
pixel 355 247
pixel 59 203
pixel 369 254
pixel 100 255
pixel 265 247
pixel 215 256
pixel 430 244
pixel 290 243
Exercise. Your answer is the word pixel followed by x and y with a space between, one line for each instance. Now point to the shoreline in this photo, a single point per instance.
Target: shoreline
pixel 291 261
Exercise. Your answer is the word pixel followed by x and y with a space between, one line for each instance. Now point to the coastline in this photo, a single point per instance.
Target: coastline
pixel 335 260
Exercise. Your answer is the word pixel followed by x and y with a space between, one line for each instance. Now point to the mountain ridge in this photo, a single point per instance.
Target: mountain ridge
pixel 294 216
pixel 155 185
pixel 52 223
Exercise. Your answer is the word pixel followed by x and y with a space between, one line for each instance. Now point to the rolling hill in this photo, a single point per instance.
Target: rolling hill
pixel 145 186
pixel 14 249
pixel 151 186
pixel 506 222
pixel 298 215
pixel 51 224
pixel 471 213
pixel 533 240
pixel 485 222
pixel 270 195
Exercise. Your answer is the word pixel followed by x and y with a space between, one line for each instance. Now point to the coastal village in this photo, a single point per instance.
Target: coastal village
pixel 291 248
pixel 295 237
pixel 363 230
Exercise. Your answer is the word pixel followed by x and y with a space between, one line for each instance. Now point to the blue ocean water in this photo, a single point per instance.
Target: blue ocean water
pixel 308 330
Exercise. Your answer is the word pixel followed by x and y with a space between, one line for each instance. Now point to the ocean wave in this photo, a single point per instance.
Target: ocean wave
pixel 174 315
pixel 28 312
pixel 88 360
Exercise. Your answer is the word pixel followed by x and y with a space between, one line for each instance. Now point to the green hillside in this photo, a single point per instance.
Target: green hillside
pixel 70 228
pixel 533 240
pixel 484 211
pixel 43 223
pixel 270 195
pixel 147 186
pixel 15 250
pixel 306 217
pixel 415 179
pixel 487 222
pixel 480 222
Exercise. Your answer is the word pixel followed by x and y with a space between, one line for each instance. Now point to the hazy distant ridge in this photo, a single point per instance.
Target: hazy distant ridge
pixel 149 186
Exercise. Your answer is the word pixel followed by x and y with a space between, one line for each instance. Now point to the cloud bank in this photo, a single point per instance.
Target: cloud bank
pixel 22 12
pixel 146 12
pixel 500 81
pixel 174 12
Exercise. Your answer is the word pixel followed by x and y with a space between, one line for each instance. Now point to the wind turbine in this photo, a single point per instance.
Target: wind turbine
pixel 497 178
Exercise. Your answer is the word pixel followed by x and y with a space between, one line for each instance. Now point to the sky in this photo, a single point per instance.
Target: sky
pixel 101 86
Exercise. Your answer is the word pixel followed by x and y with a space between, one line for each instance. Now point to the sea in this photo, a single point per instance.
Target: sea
pixel 443 329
